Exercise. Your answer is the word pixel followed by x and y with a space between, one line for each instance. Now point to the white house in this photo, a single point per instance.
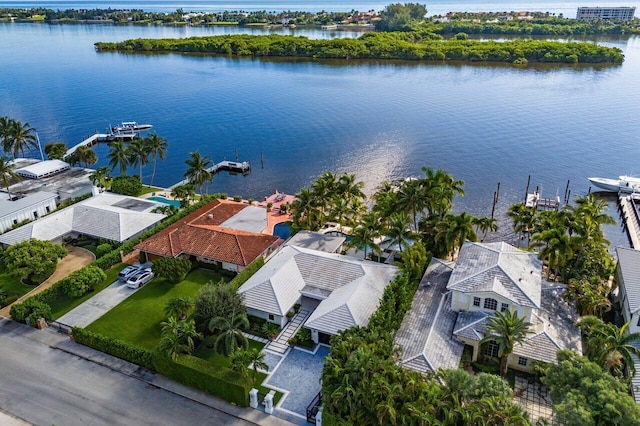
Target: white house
pixel 25 207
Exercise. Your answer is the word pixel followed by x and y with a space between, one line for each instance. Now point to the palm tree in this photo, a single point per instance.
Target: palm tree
pixel 608 345
pixel 485 224
pixel 453 231
pixel 411 199
pixel 197 172
pixel 324 191
pixel 184 193
pixel 523 218
pixel 230 337
pixel 178 307
pixel 349 188
pixel 7 173
pixel 22 137
pixel 100 177
pixel 365 234
pixel 242 359
pixel 557 248
pixel 118 156
pixel 506 329
pixel 177 337
pixel 592 297
pixel 138 154
pixel 305 210
pixel 440 188
pixel 86 154
pixel 6 135
pixel 398 230
pixel 157 147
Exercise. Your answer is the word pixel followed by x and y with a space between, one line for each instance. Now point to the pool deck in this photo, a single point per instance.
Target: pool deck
pixel 275 216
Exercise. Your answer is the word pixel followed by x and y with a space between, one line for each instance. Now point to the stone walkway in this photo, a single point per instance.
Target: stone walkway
pixel 534 397
pixel 298 376
pixel 281 344
pixel 75 259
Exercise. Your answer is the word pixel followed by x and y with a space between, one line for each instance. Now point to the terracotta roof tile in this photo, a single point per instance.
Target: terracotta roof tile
pixel 199 234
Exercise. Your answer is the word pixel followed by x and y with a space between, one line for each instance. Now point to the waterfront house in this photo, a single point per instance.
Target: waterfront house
pixel 109 216
pixel 339 291
pixel 454 301
pixel 224 233
pixel 20 208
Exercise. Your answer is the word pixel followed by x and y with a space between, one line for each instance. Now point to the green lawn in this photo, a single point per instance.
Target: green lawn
pixel 137 319
pixel 147 189
pixel 12 286
pixel 64 304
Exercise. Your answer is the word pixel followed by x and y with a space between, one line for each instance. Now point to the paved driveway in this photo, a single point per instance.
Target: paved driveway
pixel 298 374
pixel 97 306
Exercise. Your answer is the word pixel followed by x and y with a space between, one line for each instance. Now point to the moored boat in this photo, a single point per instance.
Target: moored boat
pixel 626 184
pixel 131 126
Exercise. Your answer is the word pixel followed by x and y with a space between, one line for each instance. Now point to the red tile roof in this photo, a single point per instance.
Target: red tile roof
pixel 200 234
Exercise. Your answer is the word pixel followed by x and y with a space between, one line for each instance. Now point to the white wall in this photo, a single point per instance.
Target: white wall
pixel 27 214
pixel 277 319
pixel 464 302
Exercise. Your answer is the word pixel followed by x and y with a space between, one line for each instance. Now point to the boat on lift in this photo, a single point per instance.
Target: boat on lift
pixel 131 126
pixel 625 184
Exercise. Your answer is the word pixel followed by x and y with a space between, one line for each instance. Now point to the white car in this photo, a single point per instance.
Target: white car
pixel 140 279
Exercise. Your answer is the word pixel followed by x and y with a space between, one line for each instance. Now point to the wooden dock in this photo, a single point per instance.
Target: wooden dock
pixel 535 201
pixel 629 205
pixel 243 167
pixel 101 137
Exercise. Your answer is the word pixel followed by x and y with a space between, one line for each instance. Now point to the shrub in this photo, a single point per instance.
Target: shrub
pixel 32 309
pixel 82 281
pixel 250 200
pixel 284 208
pixel 33 260
pixel 216 300
pixel 302 338
pixel 174 270
pixel 126 185
pixel 115 347
pixel 103 249
pixel 237 198
pixel 270 329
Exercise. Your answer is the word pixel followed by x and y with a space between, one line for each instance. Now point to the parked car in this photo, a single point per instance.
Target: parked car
pixel 128 272
pixel 140 279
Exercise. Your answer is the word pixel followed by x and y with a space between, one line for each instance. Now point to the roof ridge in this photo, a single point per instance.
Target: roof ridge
pixel 515 283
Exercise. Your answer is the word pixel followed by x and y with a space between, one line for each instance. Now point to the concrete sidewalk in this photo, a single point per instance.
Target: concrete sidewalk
pixel 62 342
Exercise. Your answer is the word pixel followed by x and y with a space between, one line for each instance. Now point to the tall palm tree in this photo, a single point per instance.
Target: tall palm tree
pixel 138 154
pixel 507 330
pixel 230 337
pixel 557 248
pixel 6 135
pixel 7 174
pixel 305 210
pixel 324 191
pixel 365 234
pixel 244 359
pixel 592 297
pixel 608 345
pixel 484 225
pixel 22 136
pixel 118 156
pixel 86 155
pixel 454 230
pixel 411 199
pixel 184 193
pixel 197 170
pixel 349 188
pixel 179 307
pixel 523 219
pixel 157 148
pixel 398 230
pixel 440 189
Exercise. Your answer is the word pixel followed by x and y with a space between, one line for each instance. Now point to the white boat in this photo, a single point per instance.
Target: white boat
pixel 131 126
pixel 626 184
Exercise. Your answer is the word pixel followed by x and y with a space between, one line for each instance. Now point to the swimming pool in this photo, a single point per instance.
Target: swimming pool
pixel 163 200
pixel 282 230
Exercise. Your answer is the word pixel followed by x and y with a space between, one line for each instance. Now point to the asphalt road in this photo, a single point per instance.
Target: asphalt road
pixel 46 386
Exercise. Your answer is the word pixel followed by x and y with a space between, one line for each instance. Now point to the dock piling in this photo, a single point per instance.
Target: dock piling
pixel 526 191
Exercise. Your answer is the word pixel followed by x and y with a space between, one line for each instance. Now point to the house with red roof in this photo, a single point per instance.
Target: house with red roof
pixel 225 233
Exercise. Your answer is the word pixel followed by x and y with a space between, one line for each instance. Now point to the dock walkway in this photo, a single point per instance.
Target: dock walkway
pixel 631 217
pixel 229 166
pixel 101 137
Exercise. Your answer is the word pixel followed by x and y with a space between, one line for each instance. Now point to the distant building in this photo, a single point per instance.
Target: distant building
pixel 21 208
pixel 606 13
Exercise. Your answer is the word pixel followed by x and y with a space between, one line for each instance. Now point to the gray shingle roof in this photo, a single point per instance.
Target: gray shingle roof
pixel 471 325
pixel 425 335
pixel 351 288
pixel 501 268
pixel 316 241
pixel 629 266
pixel 635 380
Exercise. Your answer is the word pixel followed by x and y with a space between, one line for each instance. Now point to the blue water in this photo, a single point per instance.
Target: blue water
pixel 282 230
pixel 163 200
pixel 379 120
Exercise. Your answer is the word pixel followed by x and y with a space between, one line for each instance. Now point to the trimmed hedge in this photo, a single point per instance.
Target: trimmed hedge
pixel 188 370
pixel 115 347
pixel 126 185
pixel 198 373
pixel 247 273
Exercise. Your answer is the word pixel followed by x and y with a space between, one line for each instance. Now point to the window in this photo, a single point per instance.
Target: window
pixel 504 307
pixel 476 301
pixel 491 349
pixel 35 214
pixel 638 324
pixel 271 317
pixel 490 303
pixel 15 221
pixel 522 361
pixel 48 209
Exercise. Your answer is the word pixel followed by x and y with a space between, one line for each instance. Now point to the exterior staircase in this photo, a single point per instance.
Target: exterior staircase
pixel 280 344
